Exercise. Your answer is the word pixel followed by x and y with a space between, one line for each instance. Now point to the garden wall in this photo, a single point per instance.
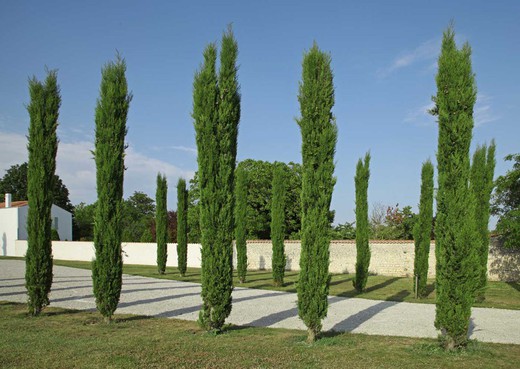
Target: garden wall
pixel 391 258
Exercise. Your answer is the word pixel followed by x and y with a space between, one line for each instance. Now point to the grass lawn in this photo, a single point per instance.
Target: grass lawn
pixel 72 339
pixel 500 295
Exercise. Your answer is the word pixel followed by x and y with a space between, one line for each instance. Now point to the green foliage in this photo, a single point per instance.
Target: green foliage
pixel 55 236
pixel 84 219
pixel 194 210
pixel 345 231
pixel 111 115
pixel 506 204
pixel 161 223
pixel 456 235
pixel 138 215
pixel 392 223
pixel 15 183
pixel 278 224
pixel 481 183
pixel 241 222
pixel 362 226
pixel 216 112
pixel 423 229
pixel 182 226
pixel 43 145
pixel 319 135
pixel 258 212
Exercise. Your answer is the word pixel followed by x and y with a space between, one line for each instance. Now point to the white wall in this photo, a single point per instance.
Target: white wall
pixel 64 224
pixel 391 258
pixel 8 230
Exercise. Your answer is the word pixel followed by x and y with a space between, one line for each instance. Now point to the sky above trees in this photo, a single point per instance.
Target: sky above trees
pixel 383 57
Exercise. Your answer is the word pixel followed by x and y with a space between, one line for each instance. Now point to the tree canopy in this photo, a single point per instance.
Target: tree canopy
pixel 15 183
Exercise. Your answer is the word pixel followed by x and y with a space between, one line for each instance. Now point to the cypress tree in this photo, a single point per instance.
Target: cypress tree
pixel 43 144
pixel 111 114
pixel 241 222
pixel 456 237
pixel 423 229
pixel 278 223
pixel 216 112
pixel 161 223
pixel 362 225
pixel 319 135
pixel 482 171
pixel 182 226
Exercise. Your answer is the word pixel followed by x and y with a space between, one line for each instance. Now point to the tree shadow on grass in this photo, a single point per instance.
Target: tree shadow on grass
pixel 340 281
pixel 515 285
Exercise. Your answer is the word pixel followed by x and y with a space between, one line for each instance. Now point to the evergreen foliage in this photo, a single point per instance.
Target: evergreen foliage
pixel 362 224
pixel 111 114
pixel 278 224
pixel 216 113
pixel 481 181
pixel 319 135
pixel 43 145
pixel 182 226
pixel 161 223
pixel 506 204
pixel 456 237
pixel 241 222
pixel 423 229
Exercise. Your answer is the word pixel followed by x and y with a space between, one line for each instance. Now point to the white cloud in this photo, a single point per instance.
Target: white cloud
pixel 186 149
pixel 425 52
pixel 420 115
pixel 483 112
pixel 76 167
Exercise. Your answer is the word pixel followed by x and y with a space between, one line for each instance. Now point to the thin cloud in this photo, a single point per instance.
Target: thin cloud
pixel 77 169
pixel 420 116
pixel 185 148
pixel 427 51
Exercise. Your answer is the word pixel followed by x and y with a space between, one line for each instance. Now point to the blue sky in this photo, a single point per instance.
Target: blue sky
pixel 383 55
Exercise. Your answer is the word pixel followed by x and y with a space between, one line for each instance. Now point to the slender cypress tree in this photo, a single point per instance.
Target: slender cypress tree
pixel 456 237
pixel 319 135
pixel 482 171
pixel 182 226
pixel 362 226
pixel 43 144
pixel 278 223
pixel 216 111
pixel 161 223
pixel 111 114
pixel 423 229
pixel 241 222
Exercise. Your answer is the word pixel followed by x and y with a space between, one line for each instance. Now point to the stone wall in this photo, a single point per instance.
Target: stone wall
pixel 391 258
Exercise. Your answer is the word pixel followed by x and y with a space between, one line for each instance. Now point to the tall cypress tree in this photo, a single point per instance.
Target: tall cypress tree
pixel 482 171
pixel 161 223
pixel 216 111
pixel 319 135
pixel 43 144
pixel 278 223
pixel 456 235
pixel 182 226
pixel 111 114
pixel 362 226
pixel 423 229
pixel 241 222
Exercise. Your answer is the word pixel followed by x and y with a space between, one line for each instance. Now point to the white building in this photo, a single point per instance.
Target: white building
pixel 13 224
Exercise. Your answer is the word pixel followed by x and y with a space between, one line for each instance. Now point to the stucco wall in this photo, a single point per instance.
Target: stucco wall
pixel 391 258
pixel 8 230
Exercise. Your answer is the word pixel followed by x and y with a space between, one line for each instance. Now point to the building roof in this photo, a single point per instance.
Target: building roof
pixel 15 204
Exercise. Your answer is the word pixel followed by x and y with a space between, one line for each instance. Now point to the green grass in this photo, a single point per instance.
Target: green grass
pixel 62 338
pixel 501 295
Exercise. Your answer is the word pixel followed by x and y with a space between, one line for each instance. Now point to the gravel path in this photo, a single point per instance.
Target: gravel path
pixel 72 288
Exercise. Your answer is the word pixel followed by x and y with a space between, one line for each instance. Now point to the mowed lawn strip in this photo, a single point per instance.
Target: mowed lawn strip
pixel 73 339
pixel 500 295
